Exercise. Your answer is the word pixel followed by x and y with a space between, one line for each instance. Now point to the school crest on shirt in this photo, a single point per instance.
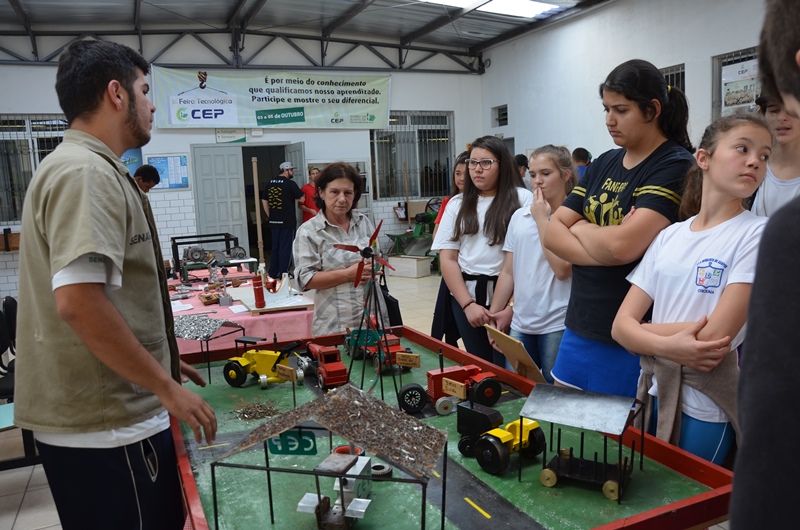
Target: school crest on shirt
pixel 709 274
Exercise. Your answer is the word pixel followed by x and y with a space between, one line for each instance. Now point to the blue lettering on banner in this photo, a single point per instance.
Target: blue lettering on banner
pixel 207 114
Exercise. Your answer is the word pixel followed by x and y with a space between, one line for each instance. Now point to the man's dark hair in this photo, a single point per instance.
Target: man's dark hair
pixel 780 40
pixel 148 174
pixel 581 154
pixel 86 68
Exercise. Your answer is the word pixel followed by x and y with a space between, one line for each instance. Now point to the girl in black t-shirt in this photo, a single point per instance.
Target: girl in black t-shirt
pixel 648 120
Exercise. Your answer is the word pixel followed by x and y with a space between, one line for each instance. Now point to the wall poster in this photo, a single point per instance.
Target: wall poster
pixel 173 169
pixel 740 86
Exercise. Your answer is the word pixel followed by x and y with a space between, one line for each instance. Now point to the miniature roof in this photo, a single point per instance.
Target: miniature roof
pixel 366 421
pixel 579 408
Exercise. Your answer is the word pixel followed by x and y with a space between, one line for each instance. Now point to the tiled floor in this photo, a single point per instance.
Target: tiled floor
pixel 25 499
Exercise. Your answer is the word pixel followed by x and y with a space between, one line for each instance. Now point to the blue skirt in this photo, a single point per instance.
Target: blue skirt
pixel 596 366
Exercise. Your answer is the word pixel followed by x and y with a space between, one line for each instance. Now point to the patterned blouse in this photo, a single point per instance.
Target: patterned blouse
pixel 341 306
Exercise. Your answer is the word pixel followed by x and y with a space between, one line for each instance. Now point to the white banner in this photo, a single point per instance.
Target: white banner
pixel 253 99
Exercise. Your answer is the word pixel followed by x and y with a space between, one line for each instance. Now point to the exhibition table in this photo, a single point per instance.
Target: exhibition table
pixel 673 490
pixel 288 325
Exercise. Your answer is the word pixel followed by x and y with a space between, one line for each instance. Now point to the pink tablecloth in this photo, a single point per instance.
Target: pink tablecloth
pixel 288 325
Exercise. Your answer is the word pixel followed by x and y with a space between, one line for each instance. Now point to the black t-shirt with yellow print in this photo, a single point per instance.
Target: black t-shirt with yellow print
pixel 604 196
pixel 282 194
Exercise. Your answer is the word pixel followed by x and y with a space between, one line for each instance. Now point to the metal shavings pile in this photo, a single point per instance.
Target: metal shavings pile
pixel 255 411
pixel 195 327
pixel 400 439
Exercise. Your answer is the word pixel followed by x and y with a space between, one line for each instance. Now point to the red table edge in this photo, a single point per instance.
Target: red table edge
pixel 711 507
pixel 196 518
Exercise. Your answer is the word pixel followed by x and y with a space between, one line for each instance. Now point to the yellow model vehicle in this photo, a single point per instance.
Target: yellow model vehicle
pixel 493 450
pixel 263 364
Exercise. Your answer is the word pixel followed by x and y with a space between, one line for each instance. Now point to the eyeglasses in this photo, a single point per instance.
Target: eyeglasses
pixel 485 163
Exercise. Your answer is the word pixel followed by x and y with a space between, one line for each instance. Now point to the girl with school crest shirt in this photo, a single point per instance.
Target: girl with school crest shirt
pixel 697 276
pixel 648 119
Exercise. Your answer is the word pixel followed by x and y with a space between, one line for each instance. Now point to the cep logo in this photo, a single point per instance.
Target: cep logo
pixel 207 114
pixel 336 118
pixel 181 114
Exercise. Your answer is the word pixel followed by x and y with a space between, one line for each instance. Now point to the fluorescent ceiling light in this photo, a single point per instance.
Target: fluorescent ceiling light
pixel 514 8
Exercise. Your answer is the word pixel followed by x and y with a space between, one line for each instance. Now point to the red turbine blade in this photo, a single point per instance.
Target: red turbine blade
pixel 351 248
pixel 383 262
pixel 359 272
pixel 375 233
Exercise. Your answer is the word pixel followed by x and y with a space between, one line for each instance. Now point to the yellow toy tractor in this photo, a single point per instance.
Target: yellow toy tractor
pixel 494 448
pixel 263 364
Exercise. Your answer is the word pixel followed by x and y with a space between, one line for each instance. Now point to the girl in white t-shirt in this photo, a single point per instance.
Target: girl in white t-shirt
pixel 538 279
pixel 471 235
pixel 697 275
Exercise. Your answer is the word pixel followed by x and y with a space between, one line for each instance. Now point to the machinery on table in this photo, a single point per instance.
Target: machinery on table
pixel 586 411
pixel 371 326
pixel 197 255
pixel 482 387
pixel 262 364
pixel 324 362
pixel 381 347
pixel 351 492
pixel 492 445
pixel 417 241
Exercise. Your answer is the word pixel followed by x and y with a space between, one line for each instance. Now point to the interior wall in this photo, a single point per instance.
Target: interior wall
pixel 549 79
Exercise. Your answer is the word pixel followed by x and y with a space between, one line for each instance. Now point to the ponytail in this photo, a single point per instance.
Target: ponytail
pixel 642 82
pixel 692 193
pixel 674 118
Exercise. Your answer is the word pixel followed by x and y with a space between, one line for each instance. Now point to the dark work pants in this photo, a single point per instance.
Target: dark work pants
pixel 127 488
pixel 281 252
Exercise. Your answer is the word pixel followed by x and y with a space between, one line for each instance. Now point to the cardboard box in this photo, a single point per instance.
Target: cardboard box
pixel 409 267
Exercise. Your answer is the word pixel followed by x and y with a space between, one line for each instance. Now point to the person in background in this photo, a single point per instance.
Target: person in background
pixel 443 325
pixel 581 158
pixel 522 166
pixel 146 177
pixel 697 277
pixel 765 496
pixel 309 204
pixel 281 194
pixel 99 371
pixel 331 271
pixel 471 235
pixel 782 183
pixel 648 120
pixel 538 280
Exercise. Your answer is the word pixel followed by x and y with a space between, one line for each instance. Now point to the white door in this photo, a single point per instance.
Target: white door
pixel 296 154
pixel 219 195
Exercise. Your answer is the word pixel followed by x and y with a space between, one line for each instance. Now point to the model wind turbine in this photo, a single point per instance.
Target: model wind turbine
pixel 371 324
pixel 370 252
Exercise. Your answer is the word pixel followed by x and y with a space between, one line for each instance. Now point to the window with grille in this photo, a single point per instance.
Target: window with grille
pixel 413 156
pixel 24 142
pixel 500 115
pixel 675 76
pixel 729 60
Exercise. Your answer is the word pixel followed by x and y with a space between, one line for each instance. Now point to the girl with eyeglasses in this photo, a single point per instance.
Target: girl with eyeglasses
pixel 648 120
pixel 471 235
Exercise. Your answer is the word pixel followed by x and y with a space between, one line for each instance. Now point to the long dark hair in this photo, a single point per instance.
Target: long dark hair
pixel 339 170
pixel 693 182
pixel 641 82
pixel 506 200
pixel 460 159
